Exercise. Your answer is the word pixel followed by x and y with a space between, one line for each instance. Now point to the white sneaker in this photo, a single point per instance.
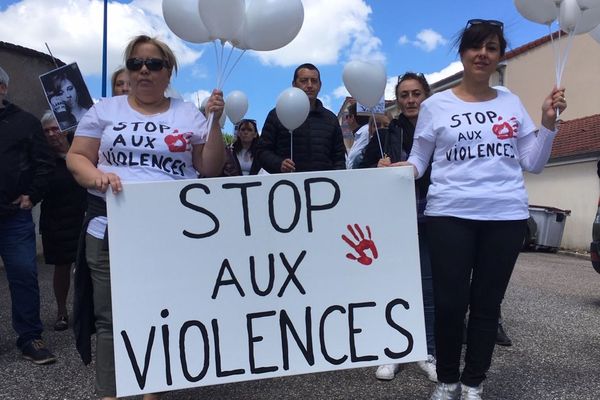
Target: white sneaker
pixel 471 393
pixel 387 372
pixel 446 391
pixel 428 368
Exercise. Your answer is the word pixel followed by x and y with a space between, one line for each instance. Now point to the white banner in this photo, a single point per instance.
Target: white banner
pixel 231 279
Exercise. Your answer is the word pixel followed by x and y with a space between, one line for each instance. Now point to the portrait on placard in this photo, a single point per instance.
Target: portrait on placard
pixel 67 95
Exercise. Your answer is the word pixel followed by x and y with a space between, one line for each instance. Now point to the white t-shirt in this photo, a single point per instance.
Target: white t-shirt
pixel 139 147
pixel 245 159
pixel 476 171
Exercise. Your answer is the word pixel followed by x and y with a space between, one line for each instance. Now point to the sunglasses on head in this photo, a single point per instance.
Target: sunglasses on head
pixel 478 21
pixel 418 74
pixel 245 121
pixel 153 64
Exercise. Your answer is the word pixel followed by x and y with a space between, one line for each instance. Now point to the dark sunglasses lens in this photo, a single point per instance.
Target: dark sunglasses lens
pixel 134 64
pixel 154 64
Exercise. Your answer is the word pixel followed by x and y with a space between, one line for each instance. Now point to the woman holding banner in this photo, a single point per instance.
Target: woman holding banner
pixel 111 143
pixel 481 140
pixel 396 141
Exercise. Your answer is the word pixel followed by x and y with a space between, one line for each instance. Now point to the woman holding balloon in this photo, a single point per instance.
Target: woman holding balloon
pixel 396 141
pixel 176 131
pixel 481 140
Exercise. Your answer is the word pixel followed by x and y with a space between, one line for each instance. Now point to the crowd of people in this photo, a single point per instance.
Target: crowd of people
pixel 475 224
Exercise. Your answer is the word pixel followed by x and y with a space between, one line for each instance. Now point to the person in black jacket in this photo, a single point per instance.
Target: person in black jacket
pixel 396 143
pixel 25 165
pixel 318 142
pixel 61 217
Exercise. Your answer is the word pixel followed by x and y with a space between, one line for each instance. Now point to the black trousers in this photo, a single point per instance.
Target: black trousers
pixel 472 262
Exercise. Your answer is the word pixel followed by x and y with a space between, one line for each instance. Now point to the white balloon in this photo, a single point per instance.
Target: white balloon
pixel 292 107
pixel 570 13
pixel 272 24
pixel 183 19
pixel 540 11
pixel 223 18
pixel 365 81
pixel 574 19
pixel 585 4
pixel 236 105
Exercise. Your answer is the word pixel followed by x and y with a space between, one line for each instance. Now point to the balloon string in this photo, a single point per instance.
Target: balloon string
pixel 377 133
pixel 220 83
pixel 555 51
pixel 564 62
pixel 209 122
pixel 233 66
pixel 225 66
pixel 291 146
pixel 218 63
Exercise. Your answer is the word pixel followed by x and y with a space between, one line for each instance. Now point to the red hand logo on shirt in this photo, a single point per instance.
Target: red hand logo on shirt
pixel 507 129
pixel 361 246
pixel 177 142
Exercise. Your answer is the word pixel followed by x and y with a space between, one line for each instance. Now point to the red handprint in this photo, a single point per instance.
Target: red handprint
pixel 362 244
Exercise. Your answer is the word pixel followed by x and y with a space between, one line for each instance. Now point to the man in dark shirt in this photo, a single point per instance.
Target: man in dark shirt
pixel 25 164
pixel 318 142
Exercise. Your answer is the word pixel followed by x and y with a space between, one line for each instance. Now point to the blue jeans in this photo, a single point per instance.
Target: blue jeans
pixel 427 283
pixel 17 249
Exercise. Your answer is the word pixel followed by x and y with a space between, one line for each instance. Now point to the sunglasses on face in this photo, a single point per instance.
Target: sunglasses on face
pixel 492 22
pixel 153 64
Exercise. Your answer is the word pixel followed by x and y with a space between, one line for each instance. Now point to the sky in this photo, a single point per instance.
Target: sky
pixel 406 35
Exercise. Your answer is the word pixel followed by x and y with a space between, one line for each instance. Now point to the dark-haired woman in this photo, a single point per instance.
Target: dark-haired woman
pixel 242 153
pixel 396 141
pixel 481 140
pixel 67 100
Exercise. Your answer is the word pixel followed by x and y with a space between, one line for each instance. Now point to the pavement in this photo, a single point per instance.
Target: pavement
pixel 551 311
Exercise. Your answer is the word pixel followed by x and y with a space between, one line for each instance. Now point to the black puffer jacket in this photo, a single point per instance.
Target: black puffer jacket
pixel 26 160
pixel 396 141
pixel 61 216
pixel 318 143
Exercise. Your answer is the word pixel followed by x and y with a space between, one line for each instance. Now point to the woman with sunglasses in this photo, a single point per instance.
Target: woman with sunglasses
pixel 241 155
pixel 396 142
pixel 481 140
pixel 61 216
pixel 114 142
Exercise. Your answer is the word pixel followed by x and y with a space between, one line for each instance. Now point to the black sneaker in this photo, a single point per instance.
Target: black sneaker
pixel 502 338
pixel 37 352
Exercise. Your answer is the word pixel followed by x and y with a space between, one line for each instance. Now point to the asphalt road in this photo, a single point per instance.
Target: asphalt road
pixel 551 311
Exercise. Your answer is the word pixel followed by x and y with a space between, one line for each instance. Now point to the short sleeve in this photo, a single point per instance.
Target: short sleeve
pixel 90 125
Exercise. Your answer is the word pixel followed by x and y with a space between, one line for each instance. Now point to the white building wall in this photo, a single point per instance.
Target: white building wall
pixel 572 186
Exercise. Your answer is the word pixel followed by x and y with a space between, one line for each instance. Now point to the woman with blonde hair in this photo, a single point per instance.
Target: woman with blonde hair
pixel 180 134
